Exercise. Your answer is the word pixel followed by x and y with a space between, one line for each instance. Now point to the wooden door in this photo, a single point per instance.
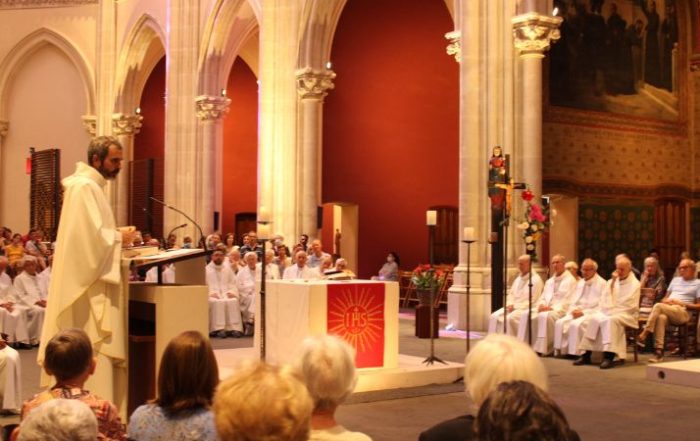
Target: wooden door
pixel 445 247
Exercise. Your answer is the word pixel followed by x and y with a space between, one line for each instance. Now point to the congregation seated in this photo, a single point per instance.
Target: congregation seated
pixel 496 359
pixel 234 260
pixel 572 267
pixel 44 278
pixel 35 247
pixel 300 270
pixel 27 296
pixel 618 308
pixel 653 278
pixel 10 378
pixel 517 300
pixel 317 256
pixel 251 244
pixel 683 293
pixel 282 260
pixel 60 420
pixel 15 251
pixel 327 367
pixel 390 270
pixel 13 319
pixel 568 330
pixel 521 411
pixel 552 305
pixel 272 271
pixel 262 402
pixel 187 379
pixel 230 242
pixel 224 308
pixel 69 359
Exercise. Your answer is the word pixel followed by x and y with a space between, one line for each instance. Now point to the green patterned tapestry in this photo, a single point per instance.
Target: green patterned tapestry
pixel 607 230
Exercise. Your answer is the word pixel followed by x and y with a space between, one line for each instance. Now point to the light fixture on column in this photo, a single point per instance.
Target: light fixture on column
pixel 138 110
pixel 223 92
pixel 329 65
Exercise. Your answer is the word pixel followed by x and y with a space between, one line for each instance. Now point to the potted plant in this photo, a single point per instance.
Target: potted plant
pixel 426 279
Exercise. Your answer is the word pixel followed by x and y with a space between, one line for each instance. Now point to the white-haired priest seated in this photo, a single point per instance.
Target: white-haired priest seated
pixel 28 298
pixel 224 309
pixel 517 300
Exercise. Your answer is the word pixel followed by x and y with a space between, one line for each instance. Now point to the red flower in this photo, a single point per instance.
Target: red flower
pixel 536 213
pixel 527 195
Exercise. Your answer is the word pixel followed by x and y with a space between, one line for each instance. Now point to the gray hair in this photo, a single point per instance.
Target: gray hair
pixel 327 366
pixel 571 265
pixel 592 262
pixel 524 257
pixel 60 420
pixel 100 146
pixel 250 254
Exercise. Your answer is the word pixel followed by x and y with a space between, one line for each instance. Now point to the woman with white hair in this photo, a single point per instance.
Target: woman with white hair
pixel 327 367
pixel 60 420
pixel 497 359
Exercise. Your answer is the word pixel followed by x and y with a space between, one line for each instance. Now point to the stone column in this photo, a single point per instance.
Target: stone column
pixel 210 112
pixel 4 127
pixel 312 87
pixel 182 151
pixel 532 34
pixel 278 167
pixel 124 128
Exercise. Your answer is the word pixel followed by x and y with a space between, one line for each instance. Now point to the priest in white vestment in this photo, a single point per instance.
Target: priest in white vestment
pixel 13 320
pixel 10 378
pixel 88 283
pixel 168 274
pixel 619 307
pixel 245 282
pixel 44 278
pixel 552 306
pixel 569 330
pixel 300 270
pixel 224 308
pixel 28 298
pixel 272 271
pixel 517 300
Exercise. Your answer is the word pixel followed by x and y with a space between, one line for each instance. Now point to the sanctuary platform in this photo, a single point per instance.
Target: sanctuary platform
pixel 681 373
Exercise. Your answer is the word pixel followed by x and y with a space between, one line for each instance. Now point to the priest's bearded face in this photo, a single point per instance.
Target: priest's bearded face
pixel 110 166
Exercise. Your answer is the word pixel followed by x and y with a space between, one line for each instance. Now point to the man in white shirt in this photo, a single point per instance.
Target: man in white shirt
pixel 28 297
pixel 517 300
pixel 13 321
pixel 245 282
pixel 682 293
pixel 568 330
pixel 300 270
pixel 224 308
pixel 619 307
pixel 317 255
pixel 552 306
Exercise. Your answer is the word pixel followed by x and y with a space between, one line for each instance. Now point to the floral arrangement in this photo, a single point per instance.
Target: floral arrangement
pixel 425 277
pixel 536 223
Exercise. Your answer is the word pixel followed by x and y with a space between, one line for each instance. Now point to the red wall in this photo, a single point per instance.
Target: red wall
pixel 150 142
pixel 391 124
pixel 240 155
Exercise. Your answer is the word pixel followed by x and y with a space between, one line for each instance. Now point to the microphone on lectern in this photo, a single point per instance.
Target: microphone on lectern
pixel 201 233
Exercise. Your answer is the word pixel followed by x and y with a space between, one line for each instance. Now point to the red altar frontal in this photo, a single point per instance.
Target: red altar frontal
pixel 364 313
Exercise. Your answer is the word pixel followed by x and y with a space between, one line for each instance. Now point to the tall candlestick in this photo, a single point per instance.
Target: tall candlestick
pixel 468 233
pixel 431 217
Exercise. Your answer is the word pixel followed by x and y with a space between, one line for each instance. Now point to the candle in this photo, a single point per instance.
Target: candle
pixel 431 217
pixel 263 214
pixel 468 233
pixel 264 231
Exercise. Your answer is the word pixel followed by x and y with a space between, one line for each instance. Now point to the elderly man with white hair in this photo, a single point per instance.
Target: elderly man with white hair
pixel 224 307
pixel 568 330
pixel 61 419
pixel 13 320
pixel 683 293
pixel 517 300
pixel 272 271
pixel 496 359
pixel 327 367
pixel 619 307
pixel 245 283
pixel 553 304
pixel 28 298
pixel 300 270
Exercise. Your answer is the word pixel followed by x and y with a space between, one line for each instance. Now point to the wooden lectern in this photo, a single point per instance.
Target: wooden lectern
pixel 159 312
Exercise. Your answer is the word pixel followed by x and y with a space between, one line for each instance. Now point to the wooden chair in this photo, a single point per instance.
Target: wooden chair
pixel 685 334
pixel 631 336
pixel 441 297
pixel 406 287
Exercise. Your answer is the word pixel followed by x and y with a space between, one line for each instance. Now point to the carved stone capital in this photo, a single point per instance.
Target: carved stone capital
pixel 212 108
pixel 4 127
pixel 454 47
pixel 533 33
pixel 314 84
pixel 126 124
pixel 90 124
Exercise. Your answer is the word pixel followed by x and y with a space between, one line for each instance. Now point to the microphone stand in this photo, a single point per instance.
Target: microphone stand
pixel 201 233
pixel 172 231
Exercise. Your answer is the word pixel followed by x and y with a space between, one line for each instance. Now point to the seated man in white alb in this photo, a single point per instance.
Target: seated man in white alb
pixel 552 306
pixel 28 297
pixel 10 378
pixel 245 284
pixel 517 301
pixel 683 293
pixel 568 330
pixel 44 279
pixel 272 271
pixel 224 309
pixel 168 274
pixel 300 270
pixel 619 307
pixel 13 321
